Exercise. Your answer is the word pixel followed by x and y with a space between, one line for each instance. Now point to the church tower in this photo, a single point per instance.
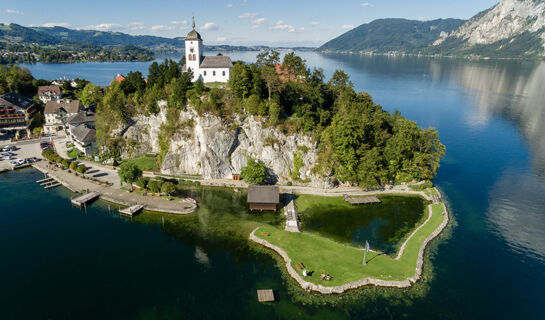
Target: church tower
pixel 193 51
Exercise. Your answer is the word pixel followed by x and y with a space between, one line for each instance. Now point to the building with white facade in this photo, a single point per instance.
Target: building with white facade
pixel 210 68
pixel 57 113
pixel 49 93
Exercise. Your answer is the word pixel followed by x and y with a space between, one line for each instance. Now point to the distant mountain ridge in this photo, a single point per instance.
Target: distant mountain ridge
pixel 387 35
pixel 510 29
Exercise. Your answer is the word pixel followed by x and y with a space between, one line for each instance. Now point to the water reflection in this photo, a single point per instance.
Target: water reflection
pixel 516 215
pixel 512 90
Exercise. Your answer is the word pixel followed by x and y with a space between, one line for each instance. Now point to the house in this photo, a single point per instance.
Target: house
pixel 57 113
pixel 86 117
pixel 118 78
pixel 209 68
pixel 84 139
pixel 49 93
pixel 16 111
pixel 263 198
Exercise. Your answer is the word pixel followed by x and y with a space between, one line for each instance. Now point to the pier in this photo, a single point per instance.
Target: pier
pixel 132 210
pixel 266 295
pixel 361 200
pixel 48 183
pixel 84 198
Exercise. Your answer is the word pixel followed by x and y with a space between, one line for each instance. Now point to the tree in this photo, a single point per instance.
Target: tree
pixel 270 57
pixel 154 186
pixel 240 80
pixel 91 95
pixel 129 172
pixel 294 66
pixel 272 81
pixel 168 188
pixel 254 172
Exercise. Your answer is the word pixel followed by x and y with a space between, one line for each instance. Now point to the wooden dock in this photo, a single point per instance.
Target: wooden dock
pixel 84 198
pixel 130 211
pixel 361 200
pixel 266 295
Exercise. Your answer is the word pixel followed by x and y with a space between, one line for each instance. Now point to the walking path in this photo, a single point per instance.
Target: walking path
pixel 365 281
pixel 115 195
pixel 292 216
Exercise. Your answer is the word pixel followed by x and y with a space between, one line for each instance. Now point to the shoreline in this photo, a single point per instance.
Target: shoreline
pixel 367 281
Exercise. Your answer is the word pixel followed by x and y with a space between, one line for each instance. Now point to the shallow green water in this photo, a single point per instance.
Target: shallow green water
pixel 384 225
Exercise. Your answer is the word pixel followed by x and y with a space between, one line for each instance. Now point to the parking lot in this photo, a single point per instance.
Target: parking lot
pixel 23 150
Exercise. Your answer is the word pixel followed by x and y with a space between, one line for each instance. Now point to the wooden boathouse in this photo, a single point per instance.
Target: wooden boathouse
pixel 263 198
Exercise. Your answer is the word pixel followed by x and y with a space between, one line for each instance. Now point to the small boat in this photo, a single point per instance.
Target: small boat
pixel 188 199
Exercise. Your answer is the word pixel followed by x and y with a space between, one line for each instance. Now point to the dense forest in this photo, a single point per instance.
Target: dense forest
pixel 358 141
pixel 75 52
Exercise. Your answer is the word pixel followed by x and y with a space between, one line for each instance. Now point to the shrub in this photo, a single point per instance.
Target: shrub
pixel 142 182
pixel 168 188
pixel 155 186
pixel 73 165
pixel 81 169
pixel 65 163
pixel 129 172
pixel 253 172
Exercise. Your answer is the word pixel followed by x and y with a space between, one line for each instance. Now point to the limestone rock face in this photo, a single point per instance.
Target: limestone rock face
pixel 507 19
pixel 215 149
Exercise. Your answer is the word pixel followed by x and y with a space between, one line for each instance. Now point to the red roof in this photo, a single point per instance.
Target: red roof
pixel 51 89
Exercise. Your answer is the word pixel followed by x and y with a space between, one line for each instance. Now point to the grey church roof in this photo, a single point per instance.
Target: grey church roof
pixel 193 35
pixel 216 62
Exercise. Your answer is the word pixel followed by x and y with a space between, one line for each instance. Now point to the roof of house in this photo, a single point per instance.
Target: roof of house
pixel 13 99
pixel 216 62
pixel 82 117
pixel 49 89
pixel 84 134
pixel 69 106
pixel 263 194
pixel 193 35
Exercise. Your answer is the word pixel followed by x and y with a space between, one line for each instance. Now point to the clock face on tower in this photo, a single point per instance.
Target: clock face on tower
pixel 191 50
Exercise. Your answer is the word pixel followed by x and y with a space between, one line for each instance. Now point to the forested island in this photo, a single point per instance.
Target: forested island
pixel 355 140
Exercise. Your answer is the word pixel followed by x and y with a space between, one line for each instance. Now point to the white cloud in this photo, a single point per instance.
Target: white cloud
pixel 183 22
pixel 314 23
pixel 104 26
pixel 136 26
pixel 161 27
pixel 56 24
pixel 221 39
pixel 258 22
pixel 281 25
pixel 348 26
pixel 210 26
pixel 13 11
pixel 366 4
pixel 230 5
pixel 248 15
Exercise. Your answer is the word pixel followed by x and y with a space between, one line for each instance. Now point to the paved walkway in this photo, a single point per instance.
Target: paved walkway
pixel 115 195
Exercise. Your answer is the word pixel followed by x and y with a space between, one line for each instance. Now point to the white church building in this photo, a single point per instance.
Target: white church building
pixel 210 68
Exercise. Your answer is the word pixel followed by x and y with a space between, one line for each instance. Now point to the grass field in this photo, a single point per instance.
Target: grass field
pixel 145 162
pixel 344 263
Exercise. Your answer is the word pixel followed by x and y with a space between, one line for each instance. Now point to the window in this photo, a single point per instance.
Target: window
pixel 189 57
pixel 213 73
pixel 194 57
pixel 223 73
pixel 204 73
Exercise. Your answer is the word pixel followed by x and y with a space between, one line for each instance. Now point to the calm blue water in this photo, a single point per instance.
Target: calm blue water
pixel 491 117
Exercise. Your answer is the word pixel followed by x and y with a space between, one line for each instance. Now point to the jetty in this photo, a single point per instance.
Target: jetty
pixel 84 198
pixel 48 183
pixel 132 210
pixel 361 200
pixel 265 295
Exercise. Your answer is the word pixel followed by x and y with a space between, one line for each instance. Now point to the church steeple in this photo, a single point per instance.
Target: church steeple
pixel 193 24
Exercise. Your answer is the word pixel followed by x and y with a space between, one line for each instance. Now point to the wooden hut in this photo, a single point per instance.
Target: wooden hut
pixel 263 198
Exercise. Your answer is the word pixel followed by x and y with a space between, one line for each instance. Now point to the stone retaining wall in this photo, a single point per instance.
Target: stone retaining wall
pixel 363 282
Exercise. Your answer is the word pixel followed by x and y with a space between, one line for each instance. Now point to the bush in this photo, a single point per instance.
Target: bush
pixel 155 186
pixel 81 169
pixel 65 163
pixel 423 186
pixel 142 182
pixel 168 188
pixel 253 172
pixel 73 165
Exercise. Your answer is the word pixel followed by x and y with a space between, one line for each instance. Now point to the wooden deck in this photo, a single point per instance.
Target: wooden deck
pixel 266 295
pixel 84 198
pixel 132 210
pixel 361 200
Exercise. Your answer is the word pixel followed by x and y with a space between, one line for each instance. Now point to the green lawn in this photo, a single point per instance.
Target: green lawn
pixel 344 263
pixel 145 162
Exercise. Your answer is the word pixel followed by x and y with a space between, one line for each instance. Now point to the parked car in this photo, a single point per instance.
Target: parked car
pixel 20 161
pixel 32 159
pixel 44 145
pixel 8 154
pixel 14 163
pixel 8 148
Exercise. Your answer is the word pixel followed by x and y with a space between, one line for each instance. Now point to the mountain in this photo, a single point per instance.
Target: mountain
pixel 14 33
pixel 387 35
pixel 512 28
pixel 108 38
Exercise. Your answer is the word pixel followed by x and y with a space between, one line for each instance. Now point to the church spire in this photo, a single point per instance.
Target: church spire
pixel 193 23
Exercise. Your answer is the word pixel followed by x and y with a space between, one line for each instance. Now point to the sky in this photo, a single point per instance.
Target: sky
pixel 234 22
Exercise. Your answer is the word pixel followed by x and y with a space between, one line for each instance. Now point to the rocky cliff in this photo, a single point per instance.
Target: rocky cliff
pixel 508 22
pixel 206 145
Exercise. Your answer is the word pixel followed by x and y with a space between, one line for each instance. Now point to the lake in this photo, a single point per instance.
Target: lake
pixel 59 262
